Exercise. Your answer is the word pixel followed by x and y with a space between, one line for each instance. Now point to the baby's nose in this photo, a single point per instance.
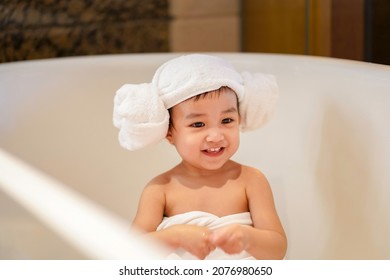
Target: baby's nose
pixel 214 135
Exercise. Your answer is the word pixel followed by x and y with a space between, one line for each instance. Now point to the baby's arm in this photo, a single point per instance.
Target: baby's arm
pixel 266 239
pixel 193 239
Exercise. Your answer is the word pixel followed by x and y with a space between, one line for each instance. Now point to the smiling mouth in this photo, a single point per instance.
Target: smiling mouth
pixel 214 151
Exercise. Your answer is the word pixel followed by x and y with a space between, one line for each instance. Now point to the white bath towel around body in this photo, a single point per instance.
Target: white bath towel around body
pixel 213 222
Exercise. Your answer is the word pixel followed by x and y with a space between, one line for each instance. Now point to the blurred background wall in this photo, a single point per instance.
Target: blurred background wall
pixel 351 29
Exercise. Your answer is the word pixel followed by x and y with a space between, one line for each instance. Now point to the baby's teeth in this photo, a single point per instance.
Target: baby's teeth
pixel 214 149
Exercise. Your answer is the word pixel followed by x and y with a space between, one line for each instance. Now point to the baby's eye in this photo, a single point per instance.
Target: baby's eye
pixel 198 124
pixel 227 120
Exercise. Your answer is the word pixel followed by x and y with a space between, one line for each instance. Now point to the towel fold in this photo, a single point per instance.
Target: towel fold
pixel 211 221
pixel 141 117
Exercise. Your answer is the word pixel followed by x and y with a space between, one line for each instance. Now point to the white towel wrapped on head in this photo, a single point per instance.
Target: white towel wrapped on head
pixel 141 110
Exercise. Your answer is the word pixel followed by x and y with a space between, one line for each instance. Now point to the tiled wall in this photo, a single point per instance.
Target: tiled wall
pixel 34 29
pixel 54 28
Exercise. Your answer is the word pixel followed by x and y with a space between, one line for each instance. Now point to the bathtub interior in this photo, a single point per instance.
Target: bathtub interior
pixel 326 152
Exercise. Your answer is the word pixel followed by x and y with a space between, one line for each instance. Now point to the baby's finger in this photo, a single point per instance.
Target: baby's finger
pixel 218 238
pixel 211 247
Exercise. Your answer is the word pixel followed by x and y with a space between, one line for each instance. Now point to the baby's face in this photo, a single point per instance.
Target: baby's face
pixel 205 131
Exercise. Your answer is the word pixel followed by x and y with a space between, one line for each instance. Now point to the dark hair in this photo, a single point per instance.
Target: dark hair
pixel 204 95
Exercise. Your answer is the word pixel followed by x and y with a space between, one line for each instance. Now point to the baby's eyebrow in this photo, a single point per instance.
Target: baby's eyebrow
pixel 230 110
pixel 197 115
pixel 194 115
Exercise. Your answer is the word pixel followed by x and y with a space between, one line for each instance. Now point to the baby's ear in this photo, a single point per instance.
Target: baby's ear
pixel 169 136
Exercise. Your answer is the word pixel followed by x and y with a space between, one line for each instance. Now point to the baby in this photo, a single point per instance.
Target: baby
pixel 207 206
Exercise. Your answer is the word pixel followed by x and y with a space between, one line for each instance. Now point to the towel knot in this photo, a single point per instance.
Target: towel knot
pixel 139 111
pixel 260 97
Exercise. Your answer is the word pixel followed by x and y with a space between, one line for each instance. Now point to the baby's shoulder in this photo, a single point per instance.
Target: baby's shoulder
pixel 161 181
pixel 251 171
pixel 155 189
pixel 253 177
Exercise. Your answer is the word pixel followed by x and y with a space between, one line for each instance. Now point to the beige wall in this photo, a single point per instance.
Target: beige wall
pixel 204 25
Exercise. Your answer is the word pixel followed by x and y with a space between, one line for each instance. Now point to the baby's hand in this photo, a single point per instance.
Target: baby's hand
pixel 231 239
pixel 195 240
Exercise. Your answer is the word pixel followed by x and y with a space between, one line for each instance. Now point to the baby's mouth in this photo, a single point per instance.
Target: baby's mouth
pixel 213 150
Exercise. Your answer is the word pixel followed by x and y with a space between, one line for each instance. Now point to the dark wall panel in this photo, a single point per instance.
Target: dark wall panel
pixel 47 28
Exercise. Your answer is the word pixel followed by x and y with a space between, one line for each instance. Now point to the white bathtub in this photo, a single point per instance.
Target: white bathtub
pixel 326 153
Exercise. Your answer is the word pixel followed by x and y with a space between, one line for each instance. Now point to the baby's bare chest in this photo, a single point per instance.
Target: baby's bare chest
pixel 222 200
